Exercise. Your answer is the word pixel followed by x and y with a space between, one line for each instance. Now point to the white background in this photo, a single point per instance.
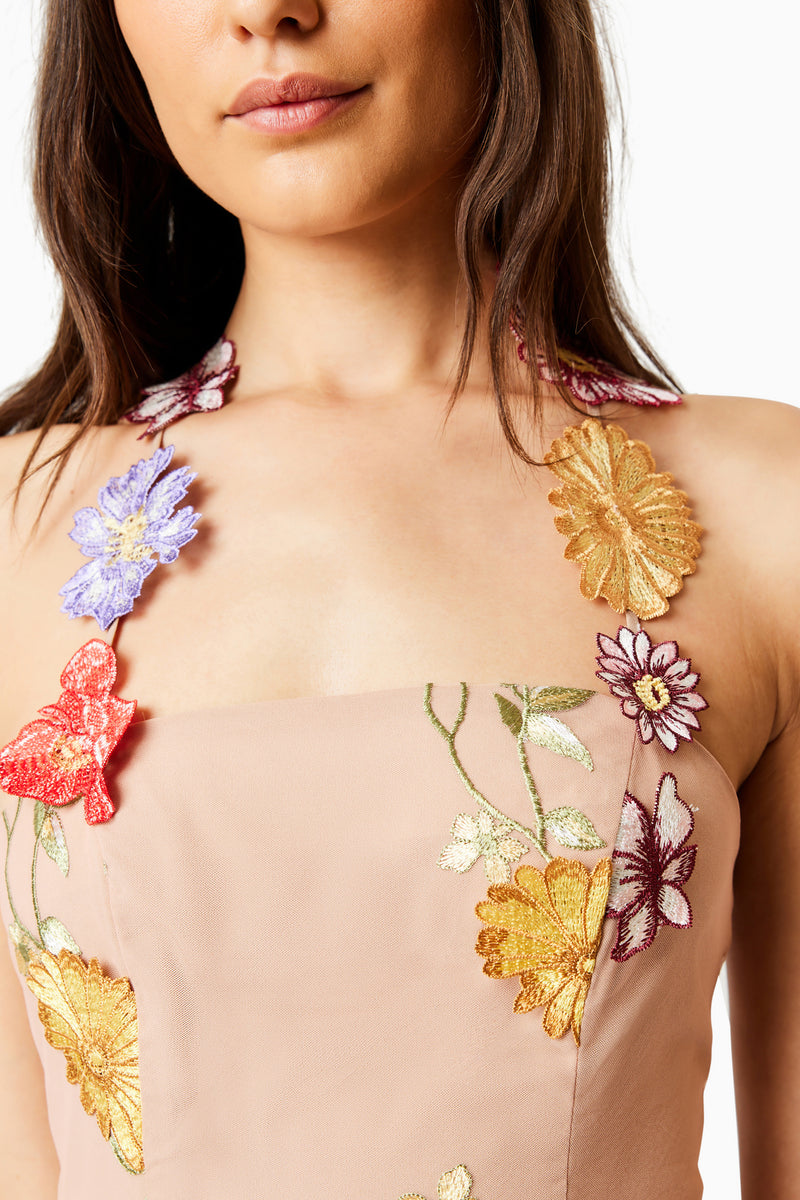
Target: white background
pixel 707 241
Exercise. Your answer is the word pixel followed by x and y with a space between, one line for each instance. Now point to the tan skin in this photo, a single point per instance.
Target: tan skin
pixel 351 543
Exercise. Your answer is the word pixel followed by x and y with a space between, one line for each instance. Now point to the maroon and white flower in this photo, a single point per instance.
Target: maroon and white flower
pixel 591 380
pixel 651 862
pixel 202 389
pixel 656 686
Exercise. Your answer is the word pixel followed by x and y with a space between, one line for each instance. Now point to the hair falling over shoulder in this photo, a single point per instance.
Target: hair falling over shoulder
pixel 150 267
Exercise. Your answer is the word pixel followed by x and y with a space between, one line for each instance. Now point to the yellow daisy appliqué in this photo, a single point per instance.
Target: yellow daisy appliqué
pixel 546 928
pixel 628 527
pixel 92 1019
pixel 453 1185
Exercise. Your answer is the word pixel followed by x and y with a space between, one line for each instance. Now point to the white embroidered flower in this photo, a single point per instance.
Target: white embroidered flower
pixel 656 686
pixel 651 862
pixel 481 835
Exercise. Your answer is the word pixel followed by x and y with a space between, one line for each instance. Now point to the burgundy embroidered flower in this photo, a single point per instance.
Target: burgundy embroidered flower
pixel 651 862
pixel 656 686
pixel 593 381
pixel 202 389
pixel 60 758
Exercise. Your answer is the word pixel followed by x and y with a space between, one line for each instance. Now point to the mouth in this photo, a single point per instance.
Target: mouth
pixel 294 103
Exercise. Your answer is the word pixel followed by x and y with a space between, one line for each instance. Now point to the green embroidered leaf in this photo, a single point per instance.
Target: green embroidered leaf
pixel 512 717
pixel 544 730
pixel 27 949
pixel 57 937
pixel 572 829
pixel 39 814
pixel 558 699
pixel 54 843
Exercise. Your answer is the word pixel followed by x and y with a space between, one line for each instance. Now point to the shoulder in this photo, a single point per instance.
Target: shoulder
pixel 737 457
pixel 738 460
pixel 29 516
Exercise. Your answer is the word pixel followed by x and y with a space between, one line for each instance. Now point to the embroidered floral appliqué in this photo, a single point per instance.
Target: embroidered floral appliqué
pixel 656 686
pixel 453 1185
pixel 628 527
pixel 60 757
pixel 88 1016
pixel 546 928
pixel 92 1020
pixel 591 380
pixel 651 863
pixel 202 389
pixel 136 526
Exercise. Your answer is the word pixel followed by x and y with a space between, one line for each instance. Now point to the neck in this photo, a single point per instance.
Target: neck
pixel 377 310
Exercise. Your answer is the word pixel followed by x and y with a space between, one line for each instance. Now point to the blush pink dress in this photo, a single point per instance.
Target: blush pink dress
pixel 313 1016
pixel 307 897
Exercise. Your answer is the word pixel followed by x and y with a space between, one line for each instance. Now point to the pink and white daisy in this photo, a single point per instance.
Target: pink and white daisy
pixel 651 862
pixel 202 389
pixel 656 686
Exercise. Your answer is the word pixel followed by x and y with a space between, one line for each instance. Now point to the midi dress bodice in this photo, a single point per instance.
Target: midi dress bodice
pixel 455 941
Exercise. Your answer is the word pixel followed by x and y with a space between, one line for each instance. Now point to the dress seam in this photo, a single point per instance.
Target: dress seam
pixel 578 1049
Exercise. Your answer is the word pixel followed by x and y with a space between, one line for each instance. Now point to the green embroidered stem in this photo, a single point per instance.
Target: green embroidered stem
pixel 34 891
pixel 541 828
pixel 449 736
pixel 534 795
pixel 9 835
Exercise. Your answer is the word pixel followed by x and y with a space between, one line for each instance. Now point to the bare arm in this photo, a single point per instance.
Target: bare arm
pixel 29 1166
pixel 28 1162
pixel 764 960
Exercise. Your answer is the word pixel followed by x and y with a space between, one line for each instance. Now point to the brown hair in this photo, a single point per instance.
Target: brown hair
pixel 123 223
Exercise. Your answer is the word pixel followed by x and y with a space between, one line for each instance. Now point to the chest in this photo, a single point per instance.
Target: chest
pixel 331 562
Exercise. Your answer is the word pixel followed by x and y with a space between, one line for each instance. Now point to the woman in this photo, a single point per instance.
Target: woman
pixel 301 921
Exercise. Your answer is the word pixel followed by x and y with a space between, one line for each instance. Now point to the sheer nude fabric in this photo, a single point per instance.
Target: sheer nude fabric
pixel 314 1019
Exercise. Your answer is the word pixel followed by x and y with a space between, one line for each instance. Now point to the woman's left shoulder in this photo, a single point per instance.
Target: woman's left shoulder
pixel 737 457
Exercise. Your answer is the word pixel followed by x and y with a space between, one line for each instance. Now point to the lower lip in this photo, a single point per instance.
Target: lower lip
pixel 292 118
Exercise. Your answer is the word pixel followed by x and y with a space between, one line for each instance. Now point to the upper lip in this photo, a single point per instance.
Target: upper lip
pixel 293 89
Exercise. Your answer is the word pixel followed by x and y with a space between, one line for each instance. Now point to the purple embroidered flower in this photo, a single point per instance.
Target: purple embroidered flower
pixel 656 686
pixel 202 389
pixel 591 380
pixel 135 527
pixel 651 861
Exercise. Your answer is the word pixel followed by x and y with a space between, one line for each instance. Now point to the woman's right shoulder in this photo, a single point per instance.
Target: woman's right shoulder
pixel 28 515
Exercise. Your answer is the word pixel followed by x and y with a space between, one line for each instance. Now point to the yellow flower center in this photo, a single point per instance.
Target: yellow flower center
pixel 96 1062
pixel 125 543
pixel 652 693
pixel 68 755
pixel 613 516
pixel 585 965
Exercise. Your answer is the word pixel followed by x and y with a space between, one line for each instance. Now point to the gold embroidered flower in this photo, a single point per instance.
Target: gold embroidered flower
pixel 628 527
pixel 546 927
pixel 92 1019
pixel 453 1185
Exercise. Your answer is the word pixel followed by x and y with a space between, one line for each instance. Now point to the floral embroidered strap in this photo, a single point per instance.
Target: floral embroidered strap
pixel 59 759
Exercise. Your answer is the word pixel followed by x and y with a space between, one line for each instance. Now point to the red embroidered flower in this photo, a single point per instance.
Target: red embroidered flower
pixel 60 758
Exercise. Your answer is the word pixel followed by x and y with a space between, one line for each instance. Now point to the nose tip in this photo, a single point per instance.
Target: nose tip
pixel 265 18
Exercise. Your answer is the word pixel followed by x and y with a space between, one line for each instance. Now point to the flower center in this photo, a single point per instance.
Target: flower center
pixel 96 1062
pixel 125 543
pixel 68 755
pixel 584 965
pixel 652 693
pixel 613 517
